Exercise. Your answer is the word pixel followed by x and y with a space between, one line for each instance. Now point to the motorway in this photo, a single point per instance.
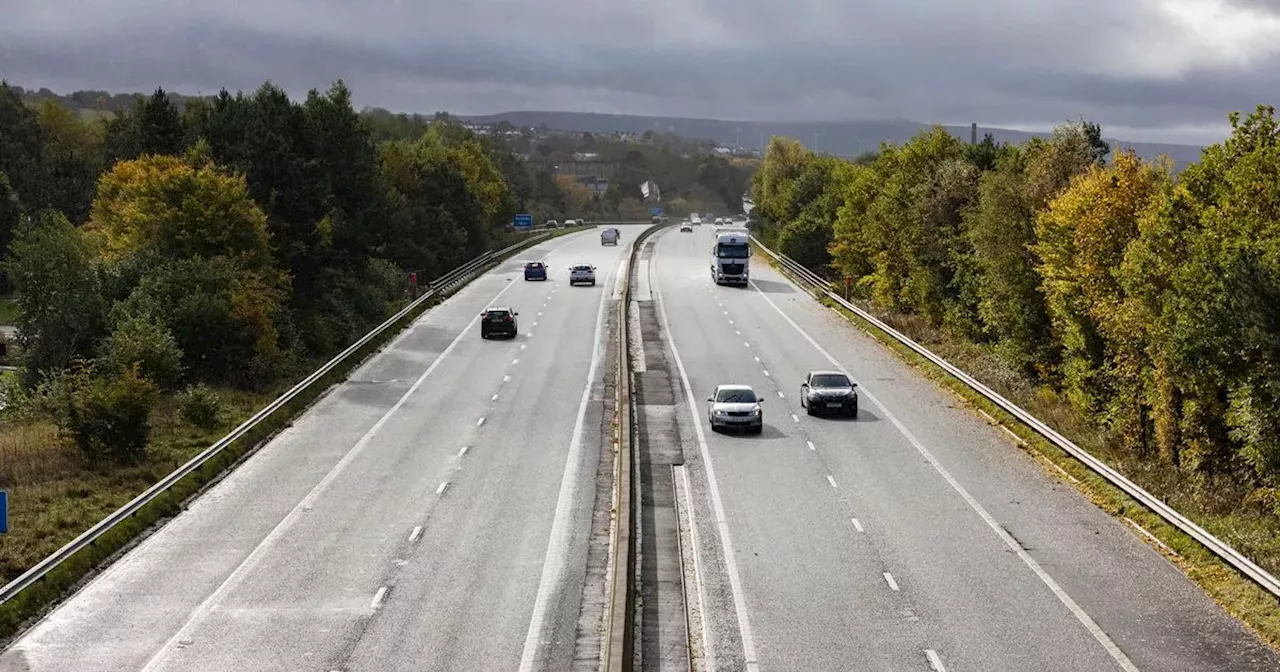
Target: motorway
pixel 437 511
pixel 915 537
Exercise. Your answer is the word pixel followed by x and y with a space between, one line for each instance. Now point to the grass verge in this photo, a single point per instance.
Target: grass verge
pixel 1217 505
pixel 54 496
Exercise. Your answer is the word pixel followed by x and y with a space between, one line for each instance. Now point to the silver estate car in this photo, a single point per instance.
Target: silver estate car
pixel 736 406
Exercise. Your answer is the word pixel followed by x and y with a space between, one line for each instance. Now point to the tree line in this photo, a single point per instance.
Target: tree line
pixel 234 242
pixel 1151 301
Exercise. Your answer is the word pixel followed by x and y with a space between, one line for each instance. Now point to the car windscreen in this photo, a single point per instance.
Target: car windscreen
pixel 830 380
pixel 736 397
pixel 731 251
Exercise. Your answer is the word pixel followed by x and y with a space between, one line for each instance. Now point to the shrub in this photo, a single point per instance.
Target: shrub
pixel 200 407
pixel 147 343
pixel 107 416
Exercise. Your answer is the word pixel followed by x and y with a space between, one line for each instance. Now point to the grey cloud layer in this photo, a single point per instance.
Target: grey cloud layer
pixel 998 62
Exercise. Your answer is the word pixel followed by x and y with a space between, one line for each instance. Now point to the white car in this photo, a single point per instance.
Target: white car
pixel 582 273
pixel 736 406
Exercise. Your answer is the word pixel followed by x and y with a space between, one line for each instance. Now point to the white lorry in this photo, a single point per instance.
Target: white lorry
pixel 609 237
pixel 730 258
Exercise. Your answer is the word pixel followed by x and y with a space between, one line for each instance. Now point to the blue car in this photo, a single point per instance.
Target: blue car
pixel 535 270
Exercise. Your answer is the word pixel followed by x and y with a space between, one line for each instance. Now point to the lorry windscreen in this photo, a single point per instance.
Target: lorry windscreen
pixel 731 251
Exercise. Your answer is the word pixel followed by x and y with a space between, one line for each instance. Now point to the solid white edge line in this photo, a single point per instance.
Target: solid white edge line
pixel 857 525
pixel 417 532
pixel 934 661
pixel 893 585
pixel 707 650
pixel 553 564
pixel 722 525
pixel 1094 629
pixel 308 501
pixel 377 598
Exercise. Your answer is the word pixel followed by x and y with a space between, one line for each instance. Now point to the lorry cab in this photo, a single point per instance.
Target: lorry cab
pixel 730 258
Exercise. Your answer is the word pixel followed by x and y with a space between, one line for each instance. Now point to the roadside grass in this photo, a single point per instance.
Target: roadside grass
pixel 1216 504
pixel 55 495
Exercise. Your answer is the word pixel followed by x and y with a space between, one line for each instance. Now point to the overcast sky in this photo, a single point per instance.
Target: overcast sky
pixel 1162 70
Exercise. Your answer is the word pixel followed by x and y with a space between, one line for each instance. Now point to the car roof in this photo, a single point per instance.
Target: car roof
pixel 828 373
pixel 734 387
pixel 497 309
pixel 533 263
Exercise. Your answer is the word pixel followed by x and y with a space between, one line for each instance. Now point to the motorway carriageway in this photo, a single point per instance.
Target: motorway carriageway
pixel 447 509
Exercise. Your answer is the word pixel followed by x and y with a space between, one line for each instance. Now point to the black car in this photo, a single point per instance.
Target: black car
pixel 498 322
pixel 829 392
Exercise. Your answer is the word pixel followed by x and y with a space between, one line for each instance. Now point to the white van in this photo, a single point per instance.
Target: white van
pixel 609 237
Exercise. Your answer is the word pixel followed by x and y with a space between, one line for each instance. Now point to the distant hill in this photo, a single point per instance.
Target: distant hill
pixel 845 138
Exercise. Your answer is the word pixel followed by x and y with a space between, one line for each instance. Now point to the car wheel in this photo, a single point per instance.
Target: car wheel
pixel 854 413
pixel 808 409
pixel 758 429
pixel 593 283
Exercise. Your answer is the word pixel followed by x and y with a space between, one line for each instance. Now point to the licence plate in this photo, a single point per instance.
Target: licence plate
pixel 834 405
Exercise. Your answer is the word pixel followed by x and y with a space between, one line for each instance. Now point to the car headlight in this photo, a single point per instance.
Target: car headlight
pixel 722 414
pixel 755 412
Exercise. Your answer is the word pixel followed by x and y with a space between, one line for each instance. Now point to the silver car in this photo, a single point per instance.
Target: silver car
pixel 582 273
pixel 736 406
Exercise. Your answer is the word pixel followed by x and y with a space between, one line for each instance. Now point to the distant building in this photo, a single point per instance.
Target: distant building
pixel 597 185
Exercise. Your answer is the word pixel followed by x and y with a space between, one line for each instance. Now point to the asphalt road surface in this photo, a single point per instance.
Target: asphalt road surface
pixel 915 537
pixel 431 513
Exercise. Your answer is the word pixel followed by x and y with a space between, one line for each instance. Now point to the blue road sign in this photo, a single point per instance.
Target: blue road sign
pixel 655 211
pixel 4 512
pixel 523 222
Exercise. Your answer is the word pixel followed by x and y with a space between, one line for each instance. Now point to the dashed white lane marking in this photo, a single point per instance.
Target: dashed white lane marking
pixel 856 525
pixel 377 598
pixel 463 451
pixel 493 398
pixel 417 532
pixel 934 661
pixel 506 379
pixel 515 361
pixel 746 344
pixel 443 485
pixel 535 324
pixel 524 345
pixel 553 564
pixel 831 479
pixel 479 422
pixel 251 561
pixel 539 313
pixel 731 323
pixel 757 359
pixel 1083 617
pixel 795 417
pixel 766 373
pixel 810 444
pixel 781 395
pixel 893 585
pixel 737 332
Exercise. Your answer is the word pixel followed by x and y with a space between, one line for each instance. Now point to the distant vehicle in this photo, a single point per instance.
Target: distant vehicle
pixel 735 406
pixel 657 219
pixel 695 219
pixel 580 221
pixel 829 392
pixel 720 221
pixel 551 224
pixel 582 274
pixel 498 321
pixel 730 259
pixel 610 237
pixel 535 270
pixel 686 228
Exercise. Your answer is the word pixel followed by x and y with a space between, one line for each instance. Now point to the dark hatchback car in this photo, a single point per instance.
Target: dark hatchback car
pixel 498 322
pixel 829 392
pixel 535 270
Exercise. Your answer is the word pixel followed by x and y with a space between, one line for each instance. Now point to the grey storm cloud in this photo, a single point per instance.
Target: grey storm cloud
pixel 1169 69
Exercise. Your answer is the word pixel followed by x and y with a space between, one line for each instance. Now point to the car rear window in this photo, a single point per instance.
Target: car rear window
pixel 581 268
pixel 830 380
pixel 498 313
pixel 736 397
pixel 533 264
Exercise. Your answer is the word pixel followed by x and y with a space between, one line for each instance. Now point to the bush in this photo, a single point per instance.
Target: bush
pixel 200 407
pixel 107 416
pixel 147 343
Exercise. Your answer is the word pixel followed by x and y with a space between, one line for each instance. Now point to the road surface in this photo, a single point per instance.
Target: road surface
pixel 433 512
pixel 913 538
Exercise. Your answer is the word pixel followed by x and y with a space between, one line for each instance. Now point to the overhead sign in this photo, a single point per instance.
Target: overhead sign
pixel 655 211
pixel 4 512
pixel 522 221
